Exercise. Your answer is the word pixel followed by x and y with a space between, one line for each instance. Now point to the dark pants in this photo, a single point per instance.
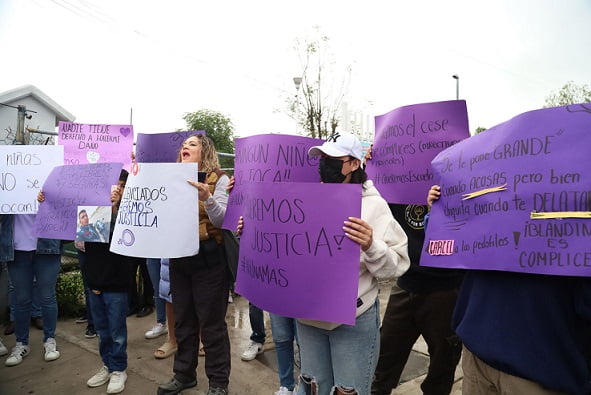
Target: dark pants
pixel 257 323
pixel 200 287
pixel 408 316
pixel 140 294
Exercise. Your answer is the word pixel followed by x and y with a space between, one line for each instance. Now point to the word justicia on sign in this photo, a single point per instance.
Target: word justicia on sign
pixel 441 247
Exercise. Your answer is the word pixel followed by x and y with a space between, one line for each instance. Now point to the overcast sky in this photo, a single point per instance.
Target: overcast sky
pixel 99 58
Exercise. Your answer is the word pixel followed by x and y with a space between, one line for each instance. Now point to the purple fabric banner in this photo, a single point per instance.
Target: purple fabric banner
pixel 89 143
pixel 68 187
pixel 161 147
pixel 406 141
pixel 537 217
pixel 295 259
pixel 269 158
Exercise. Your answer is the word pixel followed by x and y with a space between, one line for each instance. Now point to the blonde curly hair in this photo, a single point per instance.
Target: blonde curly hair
pixel 209 155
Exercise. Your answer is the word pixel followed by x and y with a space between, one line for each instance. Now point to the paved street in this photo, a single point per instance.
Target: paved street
pixel 80 360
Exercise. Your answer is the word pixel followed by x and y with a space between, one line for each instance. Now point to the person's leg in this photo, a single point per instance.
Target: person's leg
pixel 99 312
pixel 153 266
pixel 354 352
pixel 11 299
pixel 283 331
pixel 445 348
pixel 147 297
pixel 171 322
pixel 21 276
pixel 210 293
pixel 46 269
pixel 132 286
pixel 257 323
pixel 316 362
pixel 36 302
pixel 186 326
pixel 398 334
pixel 82 262
pixel 116 313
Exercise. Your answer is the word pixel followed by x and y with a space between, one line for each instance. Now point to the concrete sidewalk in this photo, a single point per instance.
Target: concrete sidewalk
pixel 80 359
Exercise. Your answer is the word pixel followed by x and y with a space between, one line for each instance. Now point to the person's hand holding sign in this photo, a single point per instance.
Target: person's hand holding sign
pixel 359 231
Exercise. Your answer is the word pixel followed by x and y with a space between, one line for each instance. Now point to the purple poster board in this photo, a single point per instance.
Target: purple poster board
pixel 406 141
pixel 161 147
pixel 269 158
pixel 68 187
pixel 295 259
pixel 539 163
pixel 93 143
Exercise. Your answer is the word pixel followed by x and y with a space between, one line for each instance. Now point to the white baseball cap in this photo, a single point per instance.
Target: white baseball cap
pixel 339 144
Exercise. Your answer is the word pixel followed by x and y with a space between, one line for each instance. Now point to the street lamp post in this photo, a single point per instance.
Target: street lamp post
pixel 297 81
pixel 457 78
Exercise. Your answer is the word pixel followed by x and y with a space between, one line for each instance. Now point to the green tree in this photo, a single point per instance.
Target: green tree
pixel 479 129
pixel 218 127
pixel 321 96
pixel 570 93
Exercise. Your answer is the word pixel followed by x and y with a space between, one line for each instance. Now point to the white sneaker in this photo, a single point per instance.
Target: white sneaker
pixel 283 391
pixel 100 377
pixel 18 353
pixel 157 330
pixel 51 353
pixel 117 382
pixel 252 351
pixel 3 349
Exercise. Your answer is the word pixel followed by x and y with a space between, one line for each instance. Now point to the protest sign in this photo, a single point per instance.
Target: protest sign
pixel 90 143
pixel 406 141
pixel 68 187
pixel 23 172
pixel 295 259
pixel 270 158
pixel 161 147
pixel 516 197
pixel 159 214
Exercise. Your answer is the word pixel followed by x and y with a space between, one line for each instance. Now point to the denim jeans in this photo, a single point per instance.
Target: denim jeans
pixel 344 357
pixel 284 333
pixel 257 323
pixel 82 262
pixel 35 304
pixel 109 310
pixel 26 266
pixel 154 272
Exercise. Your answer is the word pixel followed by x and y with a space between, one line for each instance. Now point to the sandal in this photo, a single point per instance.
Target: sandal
pixel 165 350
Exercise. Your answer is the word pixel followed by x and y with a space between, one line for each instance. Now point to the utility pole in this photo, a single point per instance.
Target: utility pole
pixel 20 125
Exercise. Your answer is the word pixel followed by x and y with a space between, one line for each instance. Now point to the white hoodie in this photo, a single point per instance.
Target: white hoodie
pixel 385 259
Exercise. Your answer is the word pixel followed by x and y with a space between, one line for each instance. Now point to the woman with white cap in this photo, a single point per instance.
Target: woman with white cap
pixel 341 359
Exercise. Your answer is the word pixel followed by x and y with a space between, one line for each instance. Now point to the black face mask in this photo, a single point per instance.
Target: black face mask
pixel 331 170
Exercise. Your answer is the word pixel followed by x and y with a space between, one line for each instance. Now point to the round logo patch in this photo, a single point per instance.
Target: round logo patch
pixel 415 216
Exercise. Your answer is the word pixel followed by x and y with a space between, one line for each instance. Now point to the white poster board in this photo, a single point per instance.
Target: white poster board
pixel 159 214
pixel 23 170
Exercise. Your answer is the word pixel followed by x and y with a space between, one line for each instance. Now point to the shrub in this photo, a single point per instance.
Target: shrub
pixel 70 294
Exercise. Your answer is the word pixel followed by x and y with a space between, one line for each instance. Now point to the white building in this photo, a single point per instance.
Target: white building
pixel 42 113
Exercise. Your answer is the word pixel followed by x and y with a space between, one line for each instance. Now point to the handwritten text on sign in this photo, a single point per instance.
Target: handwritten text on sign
pixel 536 162
pixel 161 147
pixel 295 259
pixel 89 143
pixel 23 171
pixel 270 158
pixel 406 141
pixel 68 187
pixel 158 216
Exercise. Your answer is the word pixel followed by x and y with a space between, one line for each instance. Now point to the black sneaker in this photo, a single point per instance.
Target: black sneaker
pixel 174 387
pixel 90 332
